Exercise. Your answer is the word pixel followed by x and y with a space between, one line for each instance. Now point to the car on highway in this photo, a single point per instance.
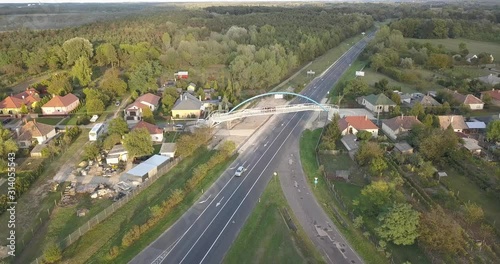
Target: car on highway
pixel 239 171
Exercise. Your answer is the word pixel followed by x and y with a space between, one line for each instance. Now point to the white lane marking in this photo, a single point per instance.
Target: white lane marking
pixel 224 205
pixel 204 201
pixel 217 204
pixel 251 188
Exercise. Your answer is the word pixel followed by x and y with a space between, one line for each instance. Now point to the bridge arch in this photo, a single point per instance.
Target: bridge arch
pixel 272 93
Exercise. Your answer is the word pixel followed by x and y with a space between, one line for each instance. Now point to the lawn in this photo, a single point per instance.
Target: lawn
pixel 170 136
pixel 474 47
pixel 469 191
pixel 94 246
pixel 320 64
pixel 156 148
pixel 266 238
pixel 324 197
pixel 74 117
pixel 33 205
pixel 49 120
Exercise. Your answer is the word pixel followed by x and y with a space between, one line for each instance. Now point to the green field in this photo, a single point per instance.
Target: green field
pixel 74 117
pixel 49 120
pixel 474 47
pixel 266 238
pixel 94 246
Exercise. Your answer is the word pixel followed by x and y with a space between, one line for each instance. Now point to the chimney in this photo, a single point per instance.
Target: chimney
pixel 366 117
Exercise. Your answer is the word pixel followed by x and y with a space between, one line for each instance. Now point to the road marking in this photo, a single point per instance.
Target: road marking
pixel 217 204
pixel 205 199
pixel 253 185
pixel 224 205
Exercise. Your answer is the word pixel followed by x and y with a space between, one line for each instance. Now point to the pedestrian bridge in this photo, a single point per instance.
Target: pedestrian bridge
pixel 217 117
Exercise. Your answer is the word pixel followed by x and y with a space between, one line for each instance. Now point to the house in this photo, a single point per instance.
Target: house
pixel 472 145
pixel 354 124
pixel 350 142
pixel 493 94
pixel 426 101
pixel 32 131
pixel 155 132
pixel 168 150
pixel 474 126
pixel 403 148
pixel 456 122
pixel 13 104
pixel 61 105
pixel 134 112
pixel 116 154
pixel 399 125
pixel 187 106
pixel 191 87
pixel 470 100
pixel 377 103
pixel 181 75
pixel 490 79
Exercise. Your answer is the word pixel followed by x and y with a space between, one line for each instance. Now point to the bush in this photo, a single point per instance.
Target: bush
pixel 52 253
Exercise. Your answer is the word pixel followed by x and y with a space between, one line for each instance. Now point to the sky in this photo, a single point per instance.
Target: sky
pixel 130 1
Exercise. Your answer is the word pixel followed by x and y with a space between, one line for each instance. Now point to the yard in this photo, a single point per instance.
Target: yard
pixel 94 246
pixel 266 238
pixel 49 120
pixel 474 47
pixel 75 116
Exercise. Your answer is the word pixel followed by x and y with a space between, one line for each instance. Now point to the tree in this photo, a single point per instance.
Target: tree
pixel 106 55
pixel 81 71
pixel 418 110
pixel 367 152
pixel 147 115
pixel 364 135
pixel 493 131
pixel 138 143
pixel 7 145
pixel 382 86
pixel 112 140
pixel 169 97
pixel 407 63
pixel 439 232
pixel 76 48
pixel 332 134
pixel 59 85
pixel 439 61
pixel 24 109
pixel 112 84
pixel 143 78
pixel 377 166
pixel 399 225
pixel 426 171
pixel 473 213
pixel 462 49
pixel 356 88
pixel 95 106
pixel 118 126
pixel 91 151
pixel 52 253
pixel 377 196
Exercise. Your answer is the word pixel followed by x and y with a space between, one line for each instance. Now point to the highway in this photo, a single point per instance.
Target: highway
pixel 206 231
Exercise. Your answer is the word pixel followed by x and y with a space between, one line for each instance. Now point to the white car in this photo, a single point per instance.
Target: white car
pixel 239 171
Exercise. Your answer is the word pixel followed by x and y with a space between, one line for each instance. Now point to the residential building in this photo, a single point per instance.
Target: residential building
pixel 116 154
pixel 181 75
pixel 61 105
pixel 456 122
pixel 134 112
pixel 472 145
pixel 33 131
pixel 168 150
pixel 494 94
pixel 426 101
pixel 490 79
pixel 354 124
pixel 399 125
pixel 155 132
pixel 191 87
pixel 13 104
pixel 403 148
pixel 470 100
pixel 377 103
pixel 187 106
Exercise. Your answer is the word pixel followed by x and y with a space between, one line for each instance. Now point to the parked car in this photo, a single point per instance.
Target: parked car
pixel 5 121
pixel 179 127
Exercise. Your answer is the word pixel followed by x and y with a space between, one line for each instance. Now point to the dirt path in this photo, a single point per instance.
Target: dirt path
pixel 27 83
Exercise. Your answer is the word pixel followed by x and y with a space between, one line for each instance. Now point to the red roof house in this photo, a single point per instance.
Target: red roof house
pixel 155 132
pixel 354 124
pixel 61 105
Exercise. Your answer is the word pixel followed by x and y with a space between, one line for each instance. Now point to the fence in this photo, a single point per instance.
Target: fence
pixel 70 239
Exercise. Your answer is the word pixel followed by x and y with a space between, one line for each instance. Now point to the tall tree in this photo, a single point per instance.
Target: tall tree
pixel 106 55
pixel 118 126
pixel 59 84
pixel 76 48
pixel 138 143
pixel 493 131
pixel 81 71
pixel 332 134
pixel 112 84
pixel 439 232
pixel 377 196
pixel 399 225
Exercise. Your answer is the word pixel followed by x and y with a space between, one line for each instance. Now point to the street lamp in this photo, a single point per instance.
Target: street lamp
pixel 275 174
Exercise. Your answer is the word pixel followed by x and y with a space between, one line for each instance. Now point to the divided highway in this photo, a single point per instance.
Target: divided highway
pixel 206 231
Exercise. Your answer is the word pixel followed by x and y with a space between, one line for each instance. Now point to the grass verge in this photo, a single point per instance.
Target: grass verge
pixel 49 120
pixel 94 246
pixel 363 247
pixel 266 238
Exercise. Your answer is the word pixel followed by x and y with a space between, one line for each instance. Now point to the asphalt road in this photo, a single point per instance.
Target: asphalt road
pixel 206 231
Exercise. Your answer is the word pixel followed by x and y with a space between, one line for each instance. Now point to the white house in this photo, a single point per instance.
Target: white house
pixel 354 124
pixel 61 105
pixel 32 131
pixel 116 154
pixel 168 150
pixel 134 112
pixel 398 125
pixel 155 132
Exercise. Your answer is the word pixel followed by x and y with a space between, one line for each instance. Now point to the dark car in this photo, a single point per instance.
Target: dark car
pixel 5 121
pixel 119 196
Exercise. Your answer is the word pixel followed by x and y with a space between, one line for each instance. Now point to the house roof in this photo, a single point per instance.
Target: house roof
pixel 167 148
pixel 61 101
pixel 156 160
pixel 456 122
pixel 141 169
pixel 152 129
pixel 427 101
pixel 34 129
pixel 149 98
pixel 187 102
pixel 464 99
pixel 471 144
pixel 27 92
pixel 357 122
pixel 117 150
pixel 495 94
pixel 11 102
pixel 490 79
pixel 403 146
pixel 380 99
pixel 405 122
pixel 476 125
